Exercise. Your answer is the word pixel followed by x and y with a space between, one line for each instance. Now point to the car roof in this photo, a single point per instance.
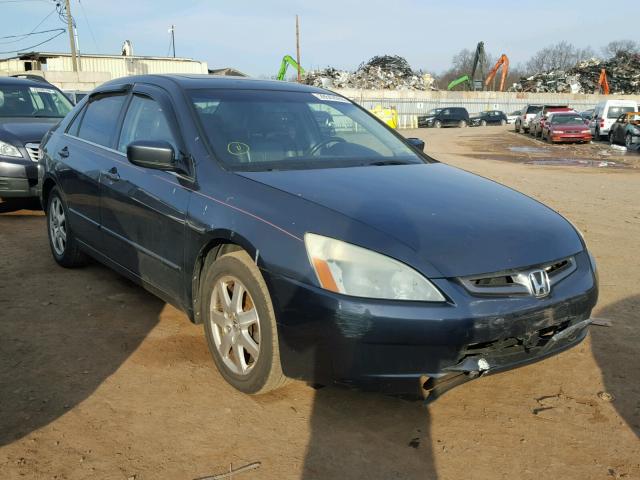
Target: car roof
pixel 201 81
pixel 25 81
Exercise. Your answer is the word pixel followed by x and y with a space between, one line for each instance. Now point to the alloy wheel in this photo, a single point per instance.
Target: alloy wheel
pixel 235 325
pixel 58 226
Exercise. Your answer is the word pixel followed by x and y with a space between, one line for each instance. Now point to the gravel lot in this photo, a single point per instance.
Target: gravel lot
pixel 99 379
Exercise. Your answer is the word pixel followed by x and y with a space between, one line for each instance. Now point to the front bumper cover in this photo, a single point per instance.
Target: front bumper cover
pixel 18 178
pixel 398 347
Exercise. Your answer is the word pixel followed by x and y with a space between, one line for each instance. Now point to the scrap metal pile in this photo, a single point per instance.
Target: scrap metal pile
pixel 623 74
pixel 386 72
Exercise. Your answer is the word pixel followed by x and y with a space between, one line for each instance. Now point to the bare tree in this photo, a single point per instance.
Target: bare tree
pixel 561 56
pixel 617 46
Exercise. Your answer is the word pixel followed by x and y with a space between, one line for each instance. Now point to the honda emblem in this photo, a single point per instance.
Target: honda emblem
pixel 539 281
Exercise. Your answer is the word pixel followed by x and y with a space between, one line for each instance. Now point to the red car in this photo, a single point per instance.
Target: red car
pixel 538 123
pixel 565 127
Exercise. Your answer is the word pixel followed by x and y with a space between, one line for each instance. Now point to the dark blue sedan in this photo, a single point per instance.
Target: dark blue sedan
pixel 312 241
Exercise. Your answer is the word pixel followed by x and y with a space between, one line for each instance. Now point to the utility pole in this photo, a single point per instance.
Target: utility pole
pixel 298 49
pixel 72 40
pixel 173 39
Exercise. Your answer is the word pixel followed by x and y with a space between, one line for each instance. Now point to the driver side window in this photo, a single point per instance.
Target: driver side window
pixel 145 120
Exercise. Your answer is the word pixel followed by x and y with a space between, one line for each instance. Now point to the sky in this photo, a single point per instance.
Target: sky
pixel 253 35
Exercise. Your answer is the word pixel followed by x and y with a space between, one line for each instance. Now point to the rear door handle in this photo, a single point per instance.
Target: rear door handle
pixel 64 153
pixel 112 174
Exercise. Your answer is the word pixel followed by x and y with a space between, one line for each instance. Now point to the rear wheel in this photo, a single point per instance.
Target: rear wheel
pixel 63 244
pixel 628 140
pixel 462 124
pixel 240 324
pixel 483 123
pixel 503 122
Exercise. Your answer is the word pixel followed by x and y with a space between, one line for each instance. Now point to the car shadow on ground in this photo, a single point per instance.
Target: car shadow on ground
pixel 620 361
pixel 57 349
pixel 350 429
pixel 16 204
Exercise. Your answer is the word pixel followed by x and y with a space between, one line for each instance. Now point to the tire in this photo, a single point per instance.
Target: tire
pixel 462 124
pixel 62 242
pixel 597 135
pixel 437 124
pixel 611 141
pixel 628 140
pixel 503 122
pixel 517 128
pixel 483 123
pixel 252 360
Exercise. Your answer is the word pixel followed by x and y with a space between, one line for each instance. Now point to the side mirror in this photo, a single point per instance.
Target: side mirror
pixel 158 155
pixel 416 143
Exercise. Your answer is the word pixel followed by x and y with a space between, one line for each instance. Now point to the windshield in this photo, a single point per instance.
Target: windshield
pixel 615 112
pixel 533 109
pixel 566 119
pixel 27 101
pixel 256 130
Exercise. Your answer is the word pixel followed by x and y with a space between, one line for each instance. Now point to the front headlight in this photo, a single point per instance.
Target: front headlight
pixel 9 150
pixel 557 131
pixel 344 268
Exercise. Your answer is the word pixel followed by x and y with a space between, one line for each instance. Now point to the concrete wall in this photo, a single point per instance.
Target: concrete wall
pixel 412 103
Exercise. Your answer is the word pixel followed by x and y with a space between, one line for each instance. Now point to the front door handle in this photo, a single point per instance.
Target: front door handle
pixel 64 153
pixel 112 174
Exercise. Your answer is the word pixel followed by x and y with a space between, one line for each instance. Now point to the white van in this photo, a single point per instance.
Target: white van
pixel 606 113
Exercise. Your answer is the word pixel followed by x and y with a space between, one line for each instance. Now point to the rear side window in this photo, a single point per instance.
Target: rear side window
pixel 615 112
pixel 100 119
pixel 532 109
pixel 145 120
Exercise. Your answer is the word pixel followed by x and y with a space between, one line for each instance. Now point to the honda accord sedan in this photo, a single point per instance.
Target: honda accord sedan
pixel 333 255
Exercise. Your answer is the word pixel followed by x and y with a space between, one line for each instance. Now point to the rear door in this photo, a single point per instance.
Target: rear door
pixel 84 152
pixel 144 210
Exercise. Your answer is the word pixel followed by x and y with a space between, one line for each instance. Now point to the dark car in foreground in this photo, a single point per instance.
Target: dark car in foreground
pixel 626 130
pixel 344 255
pixel 28 108
pixel 489 117
pixel 445 117
pixel 566 127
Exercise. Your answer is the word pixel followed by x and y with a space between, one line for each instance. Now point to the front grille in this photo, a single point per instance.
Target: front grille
pixel 33 149
pixel 516 282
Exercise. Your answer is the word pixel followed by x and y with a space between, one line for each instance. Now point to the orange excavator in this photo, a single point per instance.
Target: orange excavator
pixel 603 84
pixel 504 62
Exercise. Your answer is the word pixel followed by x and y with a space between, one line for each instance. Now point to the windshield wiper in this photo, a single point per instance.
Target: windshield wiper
pixel 382 163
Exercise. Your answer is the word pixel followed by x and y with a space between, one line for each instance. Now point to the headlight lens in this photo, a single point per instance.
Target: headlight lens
pixel 344 268
pixel 9 150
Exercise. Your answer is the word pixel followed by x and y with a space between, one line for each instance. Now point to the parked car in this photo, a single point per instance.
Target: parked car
pixel 539 121
pixel 587 114
pixel 606 113
pixel 513 116
pixel 351 257
pixel 626 130
pixel 28 108
pixel 490 117
pixel 424 119
pixel 527 114
pixel 565 127
pixel 446 117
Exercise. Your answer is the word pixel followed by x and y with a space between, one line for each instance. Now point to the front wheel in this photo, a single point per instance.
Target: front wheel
pixel 611 141
pixel 437 124
pixel 240 324
pixel 628 141
pixel 63 244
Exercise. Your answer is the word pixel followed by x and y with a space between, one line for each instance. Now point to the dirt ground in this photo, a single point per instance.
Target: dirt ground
pixel 99 379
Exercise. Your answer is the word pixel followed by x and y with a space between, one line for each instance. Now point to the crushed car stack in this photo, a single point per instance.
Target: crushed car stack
pixel 623 74
pixel 386 72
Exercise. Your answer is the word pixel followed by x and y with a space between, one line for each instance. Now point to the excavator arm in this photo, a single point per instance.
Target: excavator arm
pixel 603 83
pixel 479 59
pixel 458 81
pixel 504 62
pixel 286 61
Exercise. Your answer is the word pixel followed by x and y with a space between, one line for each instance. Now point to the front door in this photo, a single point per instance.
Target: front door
pixel 144 210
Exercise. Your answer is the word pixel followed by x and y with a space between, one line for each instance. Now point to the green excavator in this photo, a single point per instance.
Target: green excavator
pixel 479 60
pixel 286 61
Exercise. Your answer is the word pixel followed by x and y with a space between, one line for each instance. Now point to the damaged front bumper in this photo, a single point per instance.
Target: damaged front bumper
pixel 425 349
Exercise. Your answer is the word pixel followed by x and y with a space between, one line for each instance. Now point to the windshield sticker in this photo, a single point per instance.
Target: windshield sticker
pixel 40 90
pixel 237 148
pixel 330 98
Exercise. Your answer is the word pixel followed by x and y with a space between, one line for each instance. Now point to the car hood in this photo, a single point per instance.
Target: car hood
pixel 29 130
pixel 459 223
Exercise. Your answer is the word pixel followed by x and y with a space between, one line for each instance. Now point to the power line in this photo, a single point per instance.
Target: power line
pixel 86 19
pixel 60 32
pixel 32 32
